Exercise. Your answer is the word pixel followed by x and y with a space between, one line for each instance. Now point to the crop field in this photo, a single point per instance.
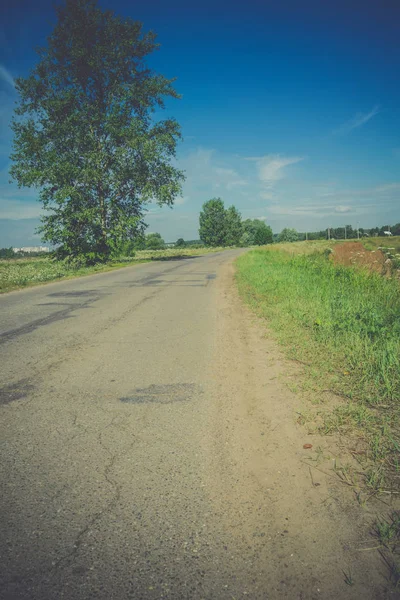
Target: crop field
pixel 24 272
pixel 342 322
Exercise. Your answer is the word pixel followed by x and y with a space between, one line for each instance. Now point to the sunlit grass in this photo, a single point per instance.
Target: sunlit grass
pixel 343 324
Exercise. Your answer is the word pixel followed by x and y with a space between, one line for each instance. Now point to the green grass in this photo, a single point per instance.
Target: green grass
pixel 373 243
pixel 348 577
pixel 388 531
pixel 26 272
pixel 343 324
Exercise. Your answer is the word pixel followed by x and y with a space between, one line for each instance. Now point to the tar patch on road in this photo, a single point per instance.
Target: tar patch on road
pixel 161 394
pixel 15 391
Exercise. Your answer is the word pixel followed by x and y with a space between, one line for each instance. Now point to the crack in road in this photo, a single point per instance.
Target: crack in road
pixel 114 486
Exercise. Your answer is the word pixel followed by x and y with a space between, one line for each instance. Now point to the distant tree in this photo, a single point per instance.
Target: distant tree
pixel 180 243
pixel 263 234
pixel 396 229
pixel 212 219
pixel 233 226
pixel 383 229
pixel 84 133
pixel 256 233
pixel 374 231
pixel 350 232
pixel 288 235
pixel 338 233
pixel 154 241
pixel 7 253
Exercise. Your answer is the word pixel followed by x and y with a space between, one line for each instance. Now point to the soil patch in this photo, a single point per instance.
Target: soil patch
pixel 354 254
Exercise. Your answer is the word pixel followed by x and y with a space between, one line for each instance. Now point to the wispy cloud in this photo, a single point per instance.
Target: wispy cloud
pixel 311 210
pixel 205 169
pixel 357 121
pixel 228 178
pixel 271 167
pixel 6 76
pixel 181 200
pixel 388 187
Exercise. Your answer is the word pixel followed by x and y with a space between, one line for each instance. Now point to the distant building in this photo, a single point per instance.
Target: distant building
pixel 32 249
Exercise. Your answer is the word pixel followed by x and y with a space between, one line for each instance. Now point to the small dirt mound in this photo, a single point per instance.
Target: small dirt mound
pixel 354 254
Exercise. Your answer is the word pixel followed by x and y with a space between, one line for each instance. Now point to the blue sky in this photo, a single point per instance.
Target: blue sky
pixel 290 110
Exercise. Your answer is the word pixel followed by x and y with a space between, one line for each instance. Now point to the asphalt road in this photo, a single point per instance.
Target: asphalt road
pixel 149 449
pixel 104 388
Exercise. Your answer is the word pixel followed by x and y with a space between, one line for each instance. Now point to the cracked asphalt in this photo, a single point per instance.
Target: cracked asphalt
pixel 149 448
pixel 104 386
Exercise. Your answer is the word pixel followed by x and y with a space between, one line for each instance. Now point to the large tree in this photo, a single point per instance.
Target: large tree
pixel 233 225
pixel 213 223
pixel 85 134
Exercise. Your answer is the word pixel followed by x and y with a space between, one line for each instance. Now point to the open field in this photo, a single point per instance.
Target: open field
pixel 343 325
pixel 298 248
pixel 373 243
pixel 25 272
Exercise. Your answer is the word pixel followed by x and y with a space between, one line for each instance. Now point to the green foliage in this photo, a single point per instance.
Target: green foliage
pixel 255 233
pixel 154 241
pixel 233 226
pixel 127 248
pixel 7 253
pixel 84 133
pixel 388 531
pixel 224 227
pixel 32 271
pixel 180 243
pixel 345 324
pixel 288 235
pixel 213 227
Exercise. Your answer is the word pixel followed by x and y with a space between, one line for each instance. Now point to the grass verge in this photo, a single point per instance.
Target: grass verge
pixel 343 325
pixel 26 272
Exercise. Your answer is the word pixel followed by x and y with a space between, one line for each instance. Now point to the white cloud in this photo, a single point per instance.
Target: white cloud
pixel 228 177
pixel 181 200
pixel 357 121
pixel 6 76
pixel 310 210
pixel 268 196
pixel 271 167
pixel 388 187
pixel 205 169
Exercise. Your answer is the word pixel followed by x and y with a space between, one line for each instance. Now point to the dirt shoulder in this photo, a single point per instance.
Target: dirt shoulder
pixel 298 527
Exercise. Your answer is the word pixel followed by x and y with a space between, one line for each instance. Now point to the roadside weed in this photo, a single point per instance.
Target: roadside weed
pixel 342 325
pixel 348 577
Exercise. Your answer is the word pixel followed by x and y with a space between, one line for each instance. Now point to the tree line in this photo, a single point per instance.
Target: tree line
pixel 346 232
pixel 220 226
